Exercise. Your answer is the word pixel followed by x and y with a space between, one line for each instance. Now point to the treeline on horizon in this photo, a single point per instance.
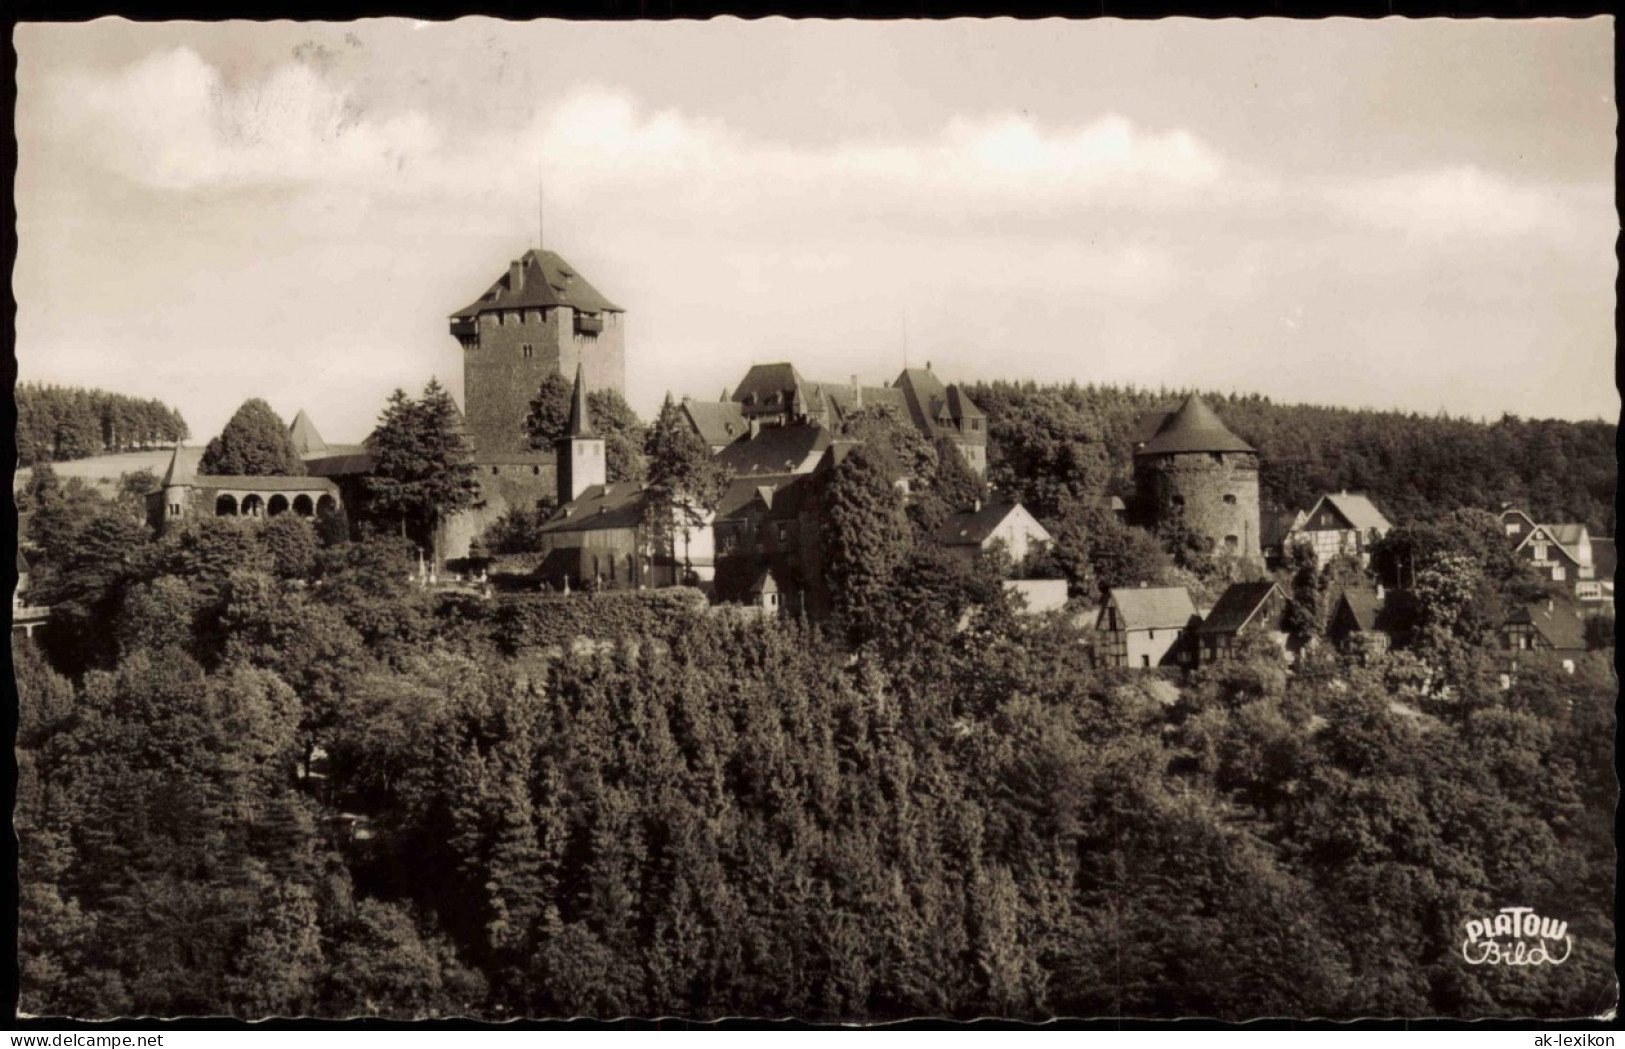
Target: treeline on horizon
pixel 1413 466
pixel 60 423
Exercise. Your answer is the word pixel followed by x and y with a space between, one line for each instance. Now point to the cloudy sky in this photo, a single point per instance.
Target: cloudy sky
pixel 1416 215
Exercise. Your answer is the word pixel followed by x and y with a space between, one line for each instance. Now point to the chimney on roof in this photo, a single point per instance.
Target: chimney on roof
pixel 516 275
pixel 927 365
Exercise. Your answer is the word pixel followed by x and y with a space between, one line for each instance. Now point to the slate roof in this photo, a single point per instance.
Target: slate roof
pixel 1153 607
pixel 308 483
pixel 774 450
pixel 1568 535
pixel 1194 428
pixel 601 507
pixel 1146 425
pixel 1236 607
pixel 182 467
pixel 769 385
pixel 548 281
pixel 972 527
pixel 744 491
pixel 1557 621
pixel 345 465
pixel 1364 606
pixel 306 441
pixel 717 422
pixel 1355 509
pixel 928 400
pixel 580 424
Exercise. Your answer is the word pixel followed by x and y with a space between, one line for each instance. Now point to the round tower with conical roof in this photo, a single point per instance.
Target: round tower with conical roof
pixel 1194 472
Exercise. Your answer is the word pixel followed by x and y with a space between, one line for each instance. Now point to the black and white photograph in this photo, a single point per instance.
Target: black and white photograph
pixel 835 521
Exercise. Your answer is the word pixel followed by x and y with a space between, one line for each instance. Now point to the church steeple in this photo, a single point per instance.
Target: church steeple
pixel 580 452
pixel 580 421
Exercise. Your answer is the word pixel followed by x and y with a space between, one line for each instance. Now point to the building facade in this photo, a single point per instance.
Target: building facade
pixel 1146 627
pixel 1342 525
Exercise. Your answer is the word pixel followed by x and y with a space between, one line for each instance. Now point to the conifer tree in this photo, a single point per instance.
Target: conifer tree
pixel 684 481
pixel 423 468
pixel 867 535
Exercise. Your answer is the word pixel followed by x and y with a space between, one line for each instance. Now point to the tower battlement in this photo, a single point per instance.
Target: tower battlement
pixel 540 318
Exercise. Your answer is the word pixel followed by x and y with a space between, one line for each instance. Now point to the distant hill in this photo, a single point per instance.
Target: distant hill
pixel 1414 466
pixel 63 423
pixel 102 472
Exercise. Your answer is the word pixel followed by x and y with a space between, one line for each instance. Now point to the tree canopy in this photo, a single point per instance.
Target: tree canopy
pixel 254 443
pixel 423 467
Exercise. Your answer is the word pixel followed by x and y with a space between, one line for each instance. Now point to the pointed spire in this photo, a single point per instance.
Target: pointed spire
pixel 580 421
pixel 306 441
pixel 178 472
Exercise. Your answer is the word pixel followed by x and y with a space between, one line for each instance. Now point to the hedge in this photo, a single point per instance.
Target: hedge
pixel 525 621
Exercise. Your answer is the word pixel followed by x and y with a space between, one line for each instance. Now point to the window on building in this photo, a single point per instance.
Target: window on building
pixel 782 531
pixel 1231 542
pixel 174 508
pixel 536 471
pixel 494 470
pixel 1151 634
pixel 1145 662
pixel 1540 551
pixel 1229 499
pixel 528 350
pixel 1512 528
pixel 1559 572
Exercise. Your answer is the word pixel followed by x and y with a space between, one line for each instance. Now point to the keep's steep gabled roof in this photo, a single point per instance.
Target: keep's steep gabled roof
pixel 548 280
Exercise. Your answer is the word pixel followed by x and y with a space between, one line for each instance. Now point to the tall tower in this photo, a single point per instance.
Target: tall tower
pixel 540 318
pixel 580 451
pixel 1195 471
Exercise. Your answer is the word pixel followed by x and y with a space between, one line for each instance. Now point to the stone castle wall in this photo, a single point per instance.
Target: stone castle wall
pixel 509 487
pixel 1215 493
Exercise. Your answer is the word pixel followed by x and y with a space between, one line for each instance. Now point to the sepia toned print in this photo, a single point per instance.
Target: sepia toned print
pixel 826 520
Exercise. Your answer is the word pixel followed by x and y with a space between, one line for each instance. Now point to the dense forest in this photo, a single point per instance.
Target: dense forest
pixel 263 773
pixel 58 423
pixel 1413 466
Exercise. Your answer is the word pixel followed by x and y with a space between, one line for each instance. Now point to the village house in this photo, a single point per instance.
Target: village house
pixel 24 616
pixel 1566 555
pixel 984 527
pixel 1354 626
pixel 1146 627
pixel 1344 524
pixel 1242 607
pixel 1555 627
